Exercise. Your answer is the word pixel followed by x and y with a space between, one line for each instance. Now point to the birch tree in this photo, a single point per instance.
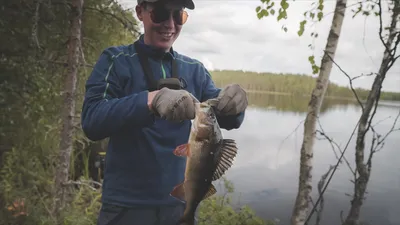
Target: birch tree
pixel 301 206
pixel 300 209
pixel 68 112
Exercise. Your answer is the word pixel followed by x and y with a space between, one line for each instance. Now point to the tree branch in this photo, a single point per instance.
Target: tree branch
pixel 297 127
pixel 35 24
pixel 65 64
pixel 364 169
pixel 376 103
pixel 87 183
pixel 350 80
pixel 391 52
pixel 124 21
pixel 333 144
pixel 321 184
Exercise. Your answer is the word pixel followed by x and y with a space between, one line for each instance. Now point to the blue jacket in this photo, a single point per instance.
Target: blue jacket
pixel 140 166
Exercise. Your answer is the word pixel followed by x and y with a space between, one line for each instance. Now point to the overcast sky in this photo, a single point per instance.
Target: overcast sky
pixel 226 34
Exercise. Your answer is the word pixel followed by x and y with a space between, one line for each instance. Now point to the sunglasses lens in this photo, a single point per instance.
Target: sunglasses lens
pixel 161 14
pixel 180 17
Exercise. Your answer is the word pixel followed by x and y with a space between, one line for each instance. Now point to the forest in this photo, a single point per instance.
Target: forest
pixel 45 59
pixel 289 84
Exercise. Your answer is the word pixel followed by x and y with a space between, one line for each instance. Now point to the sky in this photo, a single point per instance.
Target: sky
pixel 226 34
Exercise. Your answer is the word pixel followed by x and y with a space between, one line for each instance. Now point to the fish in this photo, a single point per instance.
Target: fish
pixel 208 157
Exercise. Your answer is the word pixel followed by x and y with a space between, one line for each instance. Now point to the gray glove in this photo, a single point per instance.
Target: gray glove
pixel 173 105
pixel 232 100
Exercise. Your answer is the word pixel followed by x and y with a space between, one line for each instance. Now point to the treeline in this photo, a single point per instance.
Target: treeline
pixel 289 103
pixel 292 84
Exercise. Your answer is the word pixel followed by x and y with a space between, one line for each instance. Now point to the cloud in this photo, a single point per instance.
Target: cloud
pixel 229 35
pixel 207 63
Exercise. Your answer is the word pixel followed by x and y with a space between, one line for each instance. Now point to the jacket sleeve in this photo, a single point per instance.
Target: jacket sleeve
pixel 106 110
pixel 209 90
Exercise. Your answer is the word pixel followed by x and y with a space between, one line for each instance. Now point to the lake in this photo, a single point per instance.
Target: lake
pixel 265 171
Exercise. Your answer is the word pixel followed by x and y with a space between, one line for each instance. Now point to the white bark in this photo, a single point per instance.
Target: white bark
pixel 301 206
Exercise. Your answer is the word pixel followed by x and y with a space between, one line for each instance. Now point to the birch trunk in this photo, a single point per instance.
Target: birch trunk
pixel 364 169
pixel 300 209
pixel 68 113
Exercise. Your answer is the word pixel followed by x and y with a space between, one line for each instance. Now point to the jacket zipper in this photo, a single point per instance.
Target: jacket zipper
pixel 162 69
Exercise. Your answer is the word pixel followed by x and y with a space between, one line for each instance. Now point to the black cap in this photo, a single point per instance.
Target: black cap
pixel 185 3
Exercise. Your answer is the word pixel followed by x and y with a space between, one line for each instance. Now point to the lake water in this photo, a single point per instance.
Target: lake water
pixel 265 172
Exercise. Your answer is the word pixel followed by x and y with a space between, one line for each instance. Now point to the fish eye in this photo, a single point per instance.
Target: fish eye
pixel 211 115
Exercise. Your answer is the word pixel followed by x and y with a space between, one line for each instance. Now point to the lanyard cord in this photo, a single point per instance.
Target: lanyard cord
pixel 144 62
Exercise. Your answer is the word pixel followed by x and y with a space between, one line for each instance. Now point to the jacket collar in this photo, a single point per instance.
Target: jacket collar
pixel 153 52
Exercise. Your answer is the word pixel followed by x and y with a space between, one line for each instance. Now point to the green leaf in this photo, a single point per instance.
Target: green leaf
pixel 258 8
pixel 315 69
pixel 259 15
pixel 311 59
pixel 320 14
pixel 321 5
pixel 282 14
pixel 265 12
pixel 301 30
pixel 284 4
pixel 272 11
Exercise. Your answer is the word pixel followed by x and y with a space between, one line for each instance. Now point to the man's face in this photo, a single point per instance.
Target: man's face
pixel 162 23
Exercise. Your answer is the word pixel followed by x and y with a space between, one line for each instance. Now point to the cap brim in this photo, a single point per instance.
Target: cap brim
pixel 189 4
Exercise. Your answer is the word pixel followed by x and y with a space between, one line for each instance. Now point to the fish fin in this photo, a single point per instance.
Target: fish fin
pixel 179 192
pixel 211 191
pixel 224 157
pixel 182 150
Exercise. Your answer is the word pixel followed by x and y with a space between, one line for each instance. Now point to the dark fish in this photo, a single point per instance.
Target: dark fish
pixel 209 156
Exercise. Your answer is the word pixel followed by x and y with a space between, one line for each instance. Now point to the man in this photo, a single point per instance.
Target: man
pixel 134 97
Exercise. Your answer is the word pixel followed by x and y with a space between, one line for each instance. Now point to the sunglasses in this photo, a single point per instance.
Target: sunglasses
pixel 160 14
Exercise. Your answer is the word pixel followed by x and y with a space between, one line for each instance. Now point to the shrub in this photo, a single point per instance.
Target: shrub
pixel 218 210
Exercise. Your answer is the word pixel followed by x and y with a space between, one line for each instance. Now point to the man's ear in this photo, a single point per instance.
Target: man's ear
pixel 139 12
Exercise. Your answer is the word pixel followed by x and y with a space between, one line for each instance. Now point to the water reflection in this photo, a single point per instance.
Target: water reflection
pixel 266 168
pixel 296 104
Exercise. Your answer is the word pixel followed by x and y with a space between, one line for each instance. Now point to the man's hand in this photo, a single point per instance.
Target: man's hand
pixel 232 100
pixel 173 105
pixel 150 98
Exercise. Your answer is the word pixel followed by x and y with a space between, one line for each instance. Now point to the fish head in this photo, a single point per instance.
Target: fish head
pixel 204 121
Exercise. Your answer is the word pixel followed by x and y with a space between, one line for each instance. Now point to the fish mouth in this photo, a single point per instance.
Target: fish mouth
pixel 204 107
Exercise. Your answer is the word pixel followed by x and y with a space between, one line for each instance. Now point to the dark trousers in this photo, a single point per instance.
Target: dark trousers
pixel 116 215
